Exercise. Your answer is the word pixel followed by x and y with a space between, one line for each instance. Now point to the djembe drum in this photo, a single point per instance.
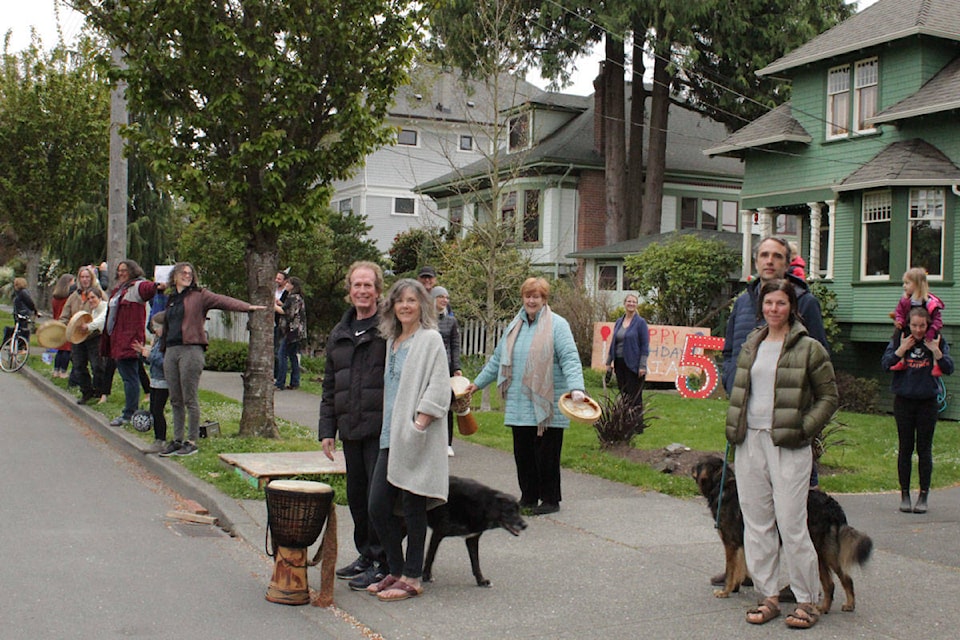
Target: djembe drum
pixel 296 513
pixel 466 423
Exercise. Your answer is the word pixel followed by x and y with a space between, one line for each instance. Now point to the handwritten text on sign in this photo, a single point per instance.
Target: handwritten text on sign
pixel 666 348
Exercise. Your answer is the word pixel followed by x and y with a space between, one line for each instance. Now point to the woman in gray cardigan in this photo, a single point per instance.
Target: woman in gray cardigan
pixel 412 467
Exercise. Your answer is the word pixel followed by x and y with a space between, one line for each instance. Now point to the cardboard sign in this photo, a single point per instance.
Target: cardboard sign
pixel 666 349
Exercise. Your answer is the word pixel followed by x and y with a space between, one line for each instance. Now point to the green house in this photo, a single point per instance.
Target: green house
pixel 860 168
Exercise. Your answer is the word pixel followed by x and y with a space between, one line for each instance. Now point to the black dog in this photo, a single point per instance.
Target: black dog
pixel 839 546
pixel 471 509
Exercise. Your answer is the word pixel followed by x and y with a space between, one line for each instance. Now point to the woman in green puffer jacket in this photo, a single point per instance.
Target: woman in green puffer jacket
pixel 784 394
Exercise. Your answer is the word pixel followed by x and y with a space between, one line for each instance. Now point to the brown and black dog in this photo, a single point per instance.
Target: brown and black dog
pixel 839 546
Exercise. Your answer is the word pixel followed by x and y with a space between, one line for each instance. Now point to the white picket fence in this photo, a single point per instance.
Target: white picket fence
pixel 232 326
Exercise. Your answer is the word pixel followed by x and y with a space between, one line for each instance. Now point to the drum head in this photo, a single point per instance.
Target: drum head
pixel 300 486
pixel 586 412
pixel 459 385
pixel 52 334
pixel 74 334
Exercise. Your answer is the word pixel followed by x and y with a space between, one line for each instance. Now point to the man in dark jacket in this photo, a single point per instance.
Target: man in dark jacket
pixel 771 257
pixel 352 404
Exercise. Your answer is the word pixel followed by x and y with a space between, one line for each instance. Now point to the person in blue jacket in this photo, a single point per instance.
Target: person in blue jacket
pixel 629 351
pixel 534 364
pixel 915 405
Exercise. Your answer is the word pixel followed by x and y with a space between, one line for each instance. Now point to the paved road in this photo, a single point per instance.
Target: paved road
pixel 616 562
pixel 88 551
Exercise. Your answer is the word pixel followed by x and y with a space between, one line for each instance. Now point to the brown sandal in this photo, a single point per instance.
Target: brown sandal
pixel 767 609
pixel 386 583
pixel 401 591
pixel 804 616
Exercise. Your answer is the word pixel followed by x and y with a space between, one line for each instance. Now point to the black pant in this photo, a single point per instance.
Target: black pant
pixel 916 421
pixel 158 401
pixel 631 385
pixel 538 464
pixel 383 497
pixel 82 355
pixel 361 458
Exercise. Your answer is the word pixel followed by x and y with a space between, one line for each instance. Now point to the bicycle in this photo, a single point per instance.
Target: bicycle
pixel 16 349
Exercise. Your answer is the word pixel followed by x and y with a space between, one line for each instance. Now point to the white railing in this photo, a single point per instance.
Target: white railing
pixel 473 336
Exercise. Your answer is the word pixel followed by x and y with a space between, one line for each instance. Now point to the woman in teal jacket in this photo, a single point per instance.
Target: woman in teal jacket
pixel 534 364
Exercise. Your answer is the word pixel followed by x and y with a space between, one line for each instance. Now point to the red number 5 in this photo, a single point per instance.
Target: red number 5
pixel 694 355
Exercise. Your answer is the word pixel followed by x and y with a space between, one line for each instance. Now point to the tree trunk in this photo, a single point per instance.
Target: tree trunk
pixel 614 114
pixel 258 418
pixel 657 149
pixel 638 97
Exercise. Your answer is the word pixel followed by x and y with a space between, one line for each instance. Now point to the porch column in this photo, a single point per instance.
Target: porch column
pixel 813 269
pixel 831 235
pixel 746 226
pixel 766 221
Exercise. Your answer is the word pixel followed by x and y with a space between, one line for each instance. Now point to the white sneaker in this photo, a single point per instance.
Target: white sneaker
pixel 450 453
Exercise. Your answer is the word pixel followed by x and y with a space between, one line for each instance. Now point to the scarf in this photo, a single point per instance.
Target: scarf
pixel 537 380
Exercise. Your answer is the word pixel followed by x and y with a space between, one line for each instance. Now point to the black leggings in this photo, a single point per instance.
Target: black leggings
pixel 916 421
pixel 389 526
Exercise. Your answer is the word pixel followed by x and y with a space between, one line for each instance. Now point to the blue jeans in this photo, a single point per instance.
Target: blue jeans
pixel 129 370
pixel 288 352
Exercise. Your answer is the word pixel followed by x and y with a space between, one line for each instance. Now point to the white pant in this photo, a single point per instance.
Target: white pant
pixel 772 485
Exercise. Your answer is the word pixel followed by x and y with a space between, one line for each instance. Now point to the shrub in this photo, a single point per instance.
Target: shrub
pixel 620 420
pixel 857 394
pixel 571 300
pixel 685 279
pixel 223 355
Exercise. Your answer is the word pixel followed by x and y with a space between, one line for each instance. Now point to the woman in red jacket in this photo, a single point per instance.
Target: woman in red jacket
pixel 186 341
pixel 125 324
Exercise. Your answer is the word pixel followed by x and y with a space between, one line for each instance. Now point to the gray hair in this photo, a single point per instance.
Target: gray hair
pixel 389 326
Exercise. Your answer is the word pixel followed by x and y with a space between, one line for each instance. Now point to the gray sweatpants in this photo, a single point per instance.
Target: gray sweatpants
pixel 772 484
pixel 182 366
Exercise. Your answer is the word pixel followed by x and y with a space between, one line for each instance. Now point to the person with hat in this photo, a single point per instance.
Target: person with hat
pixel 86 310
pixel 427 277
pixel 449 330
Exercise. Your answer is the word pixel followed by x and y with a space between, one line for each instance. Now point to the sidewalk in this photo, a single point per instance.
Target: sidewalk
pixel 615 562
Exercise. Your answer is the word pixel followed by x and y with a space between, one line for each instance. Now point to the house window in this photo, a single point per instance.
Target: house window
pixel 708 214
pixel 731 216
pixel 607 277
pixel 688 213
pixel 466 142
pixel 508 216
pixel 838 101
pixel 519 129
pixel 345 205
pixel 407 137
pixel 404 206
pixel 865 79
pixel 926 230
pixel 456 218
pixel 531 216
pixel 875 249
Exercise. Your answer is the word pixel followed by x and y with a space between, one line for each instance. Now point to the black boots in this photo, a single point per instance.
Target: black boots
pixel 905 505
pixel 921 506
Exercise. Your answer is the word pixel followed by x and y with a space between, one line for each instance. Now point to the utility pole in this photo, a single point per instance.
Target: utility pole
pixel 117 198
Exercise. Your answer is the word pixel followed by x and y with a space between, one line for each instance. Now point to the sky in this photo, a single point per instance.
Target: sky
pixel 20 15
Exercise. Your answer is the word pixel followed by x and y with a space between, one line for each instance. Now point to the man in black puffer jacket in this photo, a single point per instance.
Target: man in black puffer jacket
pixel 352 404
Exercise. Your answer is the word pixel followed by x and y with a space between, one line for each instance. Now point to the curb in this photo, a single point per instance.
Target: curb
pixel 231 517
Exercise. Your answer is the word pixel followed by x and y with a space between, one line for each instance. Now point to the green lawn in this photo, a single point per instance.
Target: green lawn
pixel 861 458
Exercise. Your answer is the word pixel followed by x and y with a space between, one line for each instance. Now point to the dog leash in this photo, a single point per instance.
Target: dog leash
pixel 723 481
